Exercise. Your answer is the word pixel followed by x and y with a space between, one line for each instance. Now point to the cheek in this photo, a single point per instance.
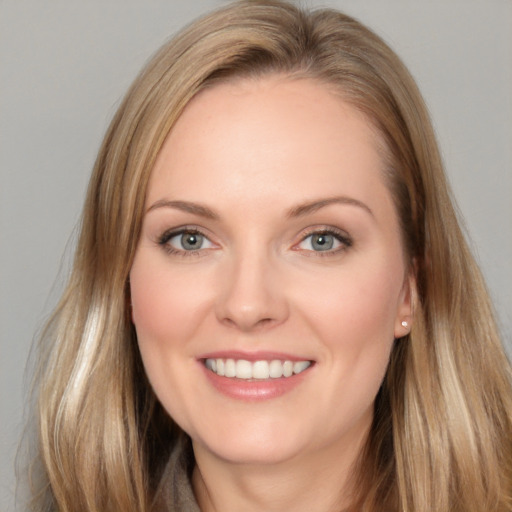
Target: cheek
pixel 166 305
pixel 356 306
pixel 356 324
pixel 167 308
pixel 353 314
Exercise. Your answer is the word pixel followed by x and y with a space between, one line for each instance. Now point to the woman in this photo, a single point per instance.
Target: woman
pixel 272 305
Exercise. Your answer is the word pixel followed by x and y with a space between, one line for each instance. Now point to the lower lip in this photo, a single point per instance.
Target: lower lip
pixel 254 390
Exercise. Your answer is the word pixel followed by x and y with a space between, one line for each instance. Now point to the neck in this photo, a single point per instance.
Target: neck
pixel 320 481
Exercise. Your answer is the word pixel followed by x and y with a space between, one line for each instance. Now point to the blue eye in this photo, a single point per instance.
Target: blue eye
pixel 185 241
pixel 324 241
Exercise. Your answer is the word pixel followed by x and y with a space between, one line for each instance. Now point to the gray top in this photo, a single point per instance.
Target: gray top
pixel 174 493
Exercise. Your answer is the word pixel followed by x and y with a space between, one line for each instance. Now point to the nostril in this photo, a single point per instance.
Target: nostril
pixel 247 325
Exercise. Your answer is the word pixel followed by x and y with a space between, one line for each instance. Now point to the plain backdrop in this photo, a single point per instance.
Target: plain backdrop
pixel 64 65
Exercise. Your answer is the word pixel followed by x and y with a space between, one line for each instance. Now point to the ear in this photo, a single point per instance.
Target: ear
pixel 405 311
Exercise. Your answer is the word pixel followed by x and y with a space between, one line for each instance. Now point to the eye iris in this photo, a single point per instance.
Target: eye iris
pixel 190 241
pixel 322 242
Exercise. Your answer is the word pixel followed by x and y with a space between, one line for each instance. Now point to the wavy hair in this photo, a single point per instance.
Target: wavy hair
pixel 441 438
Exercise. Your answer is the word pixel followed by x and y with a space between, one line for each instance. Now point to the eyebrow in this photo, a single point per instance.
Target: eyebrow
pixel 297 211
pixel 313 206
pixel 185 206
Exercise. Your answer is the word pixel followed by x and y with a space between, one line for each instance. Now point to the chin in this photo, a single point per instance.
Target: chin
pixel 255 450
pixel 267 441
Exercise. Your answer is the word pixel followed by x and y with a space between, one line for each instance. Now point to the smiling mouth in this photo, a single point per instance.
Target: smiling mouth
pixel 255 370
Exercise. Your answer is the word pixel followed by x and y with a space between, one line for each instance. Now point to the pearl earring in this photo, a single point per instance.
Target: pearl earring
pixel 404 324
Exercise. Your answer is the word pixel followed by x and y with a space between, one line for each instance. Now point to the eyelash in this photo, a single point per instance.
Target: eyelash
pixel 342 237
pixel 163 241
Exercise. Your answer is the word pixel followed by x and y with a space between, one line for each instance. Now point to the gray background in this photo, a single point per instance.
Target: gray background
pixel 65 65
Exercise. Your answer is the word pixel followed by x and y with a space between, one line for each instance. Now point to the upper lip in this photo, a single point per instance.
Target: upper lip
pixel 260 355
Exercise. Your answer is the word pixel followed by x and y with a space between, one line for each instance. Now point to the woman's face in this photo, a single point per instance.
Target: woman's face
pixel 269 282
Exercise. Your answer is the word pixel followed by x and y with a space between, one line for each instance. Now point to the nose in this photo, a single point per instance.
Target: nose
pixel 251 294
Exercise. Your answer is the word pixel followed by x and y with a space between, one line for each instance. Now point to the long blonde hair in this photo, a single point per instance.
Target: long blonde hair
pixel 442 433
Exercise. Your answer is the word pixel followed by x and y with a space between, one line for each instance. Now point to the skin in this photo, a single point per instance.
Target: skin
pixel 252 152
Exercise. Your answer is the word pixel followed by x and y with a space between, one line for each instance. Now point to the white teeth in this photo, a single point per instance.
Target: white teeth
pixel 260 370
pixel 276 369
pixel 230 368
pixel 287 369
pixel 243 369
pixel 300 366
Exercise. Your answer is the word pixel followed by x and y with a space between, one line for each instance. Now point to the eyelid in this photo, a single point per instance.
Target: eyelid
pixel 171 232
pixel 342 236
pixel 163 240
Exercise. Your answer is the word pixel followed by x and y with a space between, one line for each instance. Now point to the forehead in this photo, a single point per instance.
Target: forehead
pixel 271 134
